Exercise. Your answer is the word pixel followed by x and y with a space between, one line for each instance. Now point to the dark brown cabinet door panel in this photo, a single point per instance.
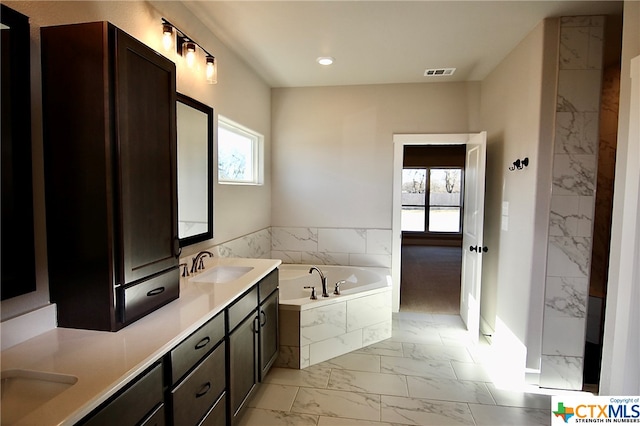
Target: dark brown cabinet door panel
pixel 146 99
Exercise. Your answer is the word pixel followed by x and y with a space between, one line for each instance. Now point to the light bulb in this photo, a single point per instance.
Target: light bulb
pixel 167 37
pixel 325 60
pixel 191 54
pixel 211 70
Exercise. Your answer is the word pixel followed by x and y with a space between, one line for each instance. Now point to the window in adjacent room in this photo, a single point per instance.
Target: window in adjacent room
pixel 240 154
pixel 432 199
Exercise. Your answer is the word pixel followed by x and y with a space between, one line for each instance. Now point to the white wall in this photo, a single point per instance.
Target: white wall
pixel 514 105
pixel 240 95
pixel 333 151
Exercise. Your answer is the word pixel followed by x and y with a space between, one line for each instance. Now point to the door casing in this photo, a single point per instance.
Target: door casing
pixel 399 142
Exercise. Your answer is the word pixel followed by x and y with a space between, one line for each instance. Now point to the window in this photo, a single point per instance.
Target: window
pixel 431 200
pixel 240 152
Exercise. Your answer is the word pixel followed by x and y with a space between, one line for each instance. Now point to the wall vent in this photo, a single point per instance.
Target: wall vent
pixel 438 72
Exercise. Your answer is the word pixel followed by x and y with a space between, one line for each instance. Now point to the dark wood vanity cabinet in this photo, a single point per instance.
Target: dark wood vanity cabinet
pixel 109 113
pixel 253 341
pixel 268 315
pixel 197 377
pixel 207 378
pixel 139 403
pixel 243 351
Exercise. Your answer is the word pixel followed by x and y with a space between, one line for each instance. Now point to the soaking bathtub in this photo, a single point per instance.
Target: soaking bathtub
pixel 315 330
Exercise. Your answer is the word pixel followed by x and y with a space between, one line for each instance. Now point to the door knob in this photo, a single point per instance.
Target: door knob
pixel 484 249
pixel 474 248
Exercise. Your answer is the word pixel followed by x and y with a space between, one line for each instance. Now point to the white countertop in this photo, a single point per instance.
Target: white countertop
pixel 105 361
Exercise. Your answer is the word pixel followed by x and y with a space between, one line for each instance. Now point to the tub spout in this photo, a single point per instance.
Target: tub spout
pixel 323 279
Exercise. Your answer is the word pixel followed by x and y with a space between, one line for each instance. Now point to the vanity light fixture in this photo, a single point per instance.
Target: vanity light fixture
pixel 211 70
pixel 187 47
pixel 325 60
pixel 190 48
pixel 167 36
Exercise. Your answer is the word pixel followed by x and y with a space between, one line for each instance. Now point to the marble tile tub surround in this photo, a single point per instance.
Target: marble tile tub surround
pixel 427 373
pixel 314 335
pixel 332 246
pixel 317 246
pixel 572 201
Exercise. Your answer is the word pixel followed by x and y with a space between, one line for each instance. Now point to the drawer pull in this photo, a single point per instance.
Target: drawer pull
pixel 204 390
pixel 202 343
pixel 155 291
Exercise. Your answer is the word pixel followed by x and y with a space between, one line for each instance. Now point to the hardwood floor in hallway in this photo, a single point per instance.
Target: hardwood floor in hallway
pixel 430 279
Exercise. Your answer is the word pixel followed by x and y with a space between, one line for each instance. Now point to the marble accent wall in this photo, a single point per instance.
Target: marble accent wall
pixel 332 246
pixel 572 201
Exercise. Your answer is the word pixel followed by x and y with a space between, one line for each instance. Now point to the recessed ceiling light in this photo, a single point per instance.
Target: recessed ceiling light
pixel 325 60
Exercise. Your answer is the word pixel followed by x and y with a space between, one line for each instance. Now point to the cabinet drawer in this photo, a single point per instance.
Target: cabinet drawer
pixel 246 305
pixel 156 418
pixel 146 296
pixel 268 284
pixel 196 394
pixel 195 347
pixel 134 404
pixel 217 416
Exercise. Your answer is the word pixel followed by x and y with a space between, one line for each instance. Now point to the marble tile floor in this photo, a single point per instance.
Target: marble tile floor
pixel 427 373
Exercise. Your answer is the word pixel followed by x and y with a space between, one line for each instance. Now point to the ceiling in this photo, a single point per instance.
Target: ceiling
pixel 378 42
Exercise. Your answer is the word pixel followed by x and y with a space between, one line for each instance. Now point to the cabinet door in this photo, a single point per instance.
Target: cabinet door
pixel 146 134
pixel 242 363
pixel 269 342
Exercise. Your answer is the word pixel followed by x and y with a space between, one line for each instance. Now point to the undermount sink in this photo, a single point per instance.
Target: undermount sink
pixel 221 274
pixel 24 390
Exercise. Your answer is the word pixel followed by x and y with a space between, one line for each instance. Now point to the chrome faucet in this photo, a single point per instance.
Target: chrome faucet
pixel 323 279
pixel 198 262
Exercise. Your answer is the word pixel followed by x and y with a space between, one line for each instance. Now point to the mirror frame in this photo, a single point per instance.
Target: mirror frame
pixel 188 101
pixel 18 242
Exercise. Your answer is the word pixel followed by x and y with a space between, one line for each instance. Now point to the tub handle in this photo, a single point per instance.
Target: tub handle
pixel 313 292
pixel 336 290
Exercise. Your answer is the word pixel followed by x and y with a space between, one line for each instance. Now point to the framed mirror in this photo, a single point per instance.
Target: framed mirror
pixel 18 249
pixel 195 170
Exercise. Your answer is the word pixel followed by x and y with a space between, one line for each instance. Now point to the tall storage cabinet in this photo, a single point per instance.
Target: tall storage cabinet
pixel 109 112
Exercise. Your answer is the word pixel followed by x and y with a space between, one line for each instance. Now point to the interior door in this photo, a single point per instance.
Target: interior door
pixel 472 233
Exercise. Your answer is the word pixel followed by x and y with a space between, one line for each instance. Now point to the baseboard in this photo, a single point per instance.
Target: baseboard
pixel 486 330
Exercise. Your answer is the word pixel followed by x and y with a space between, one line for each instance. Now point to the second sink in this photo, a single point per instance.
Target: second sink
pixel 221 274
pixel 23 391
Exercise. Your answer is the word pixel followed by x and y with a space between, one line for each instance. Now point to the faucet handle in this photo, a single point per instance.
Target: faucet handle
pixel 336 290
pixel 185 269
pixel 313 292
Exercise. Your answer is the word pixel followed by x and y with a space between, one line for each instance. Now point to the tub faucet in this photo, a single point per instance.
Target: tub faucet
pixel 323 279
